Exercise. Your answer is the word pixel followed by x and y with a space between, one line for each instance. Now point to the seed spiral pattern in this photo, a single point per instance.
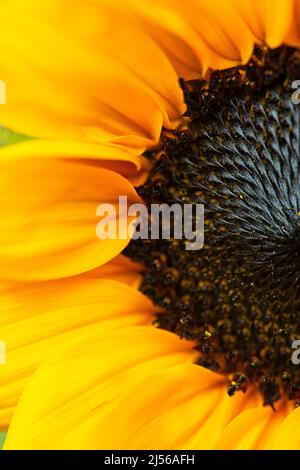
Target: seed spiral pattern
pixel 239 155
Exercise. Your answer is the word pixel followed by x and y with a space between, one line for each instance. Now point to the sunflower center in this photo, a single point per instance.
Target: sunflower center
pixel 238 297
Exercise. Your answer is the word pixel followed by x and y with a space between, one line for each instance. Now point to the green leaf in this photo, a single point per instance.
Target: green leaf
pixel 8 137
pixel 2 439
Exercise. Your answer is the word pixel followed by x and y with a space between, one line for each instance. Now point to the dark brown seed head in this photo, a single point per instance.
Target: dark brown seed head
pixel 238 297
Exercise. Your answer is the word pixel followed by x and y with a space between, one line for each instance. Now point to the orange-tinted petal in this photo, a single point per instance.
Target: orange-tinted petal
pixel 196 34
pixel 293 36
pixel 269 20
pixel 131 165
pixel 120 269
pixel 221 44
pixel 48 217
pixel 78 70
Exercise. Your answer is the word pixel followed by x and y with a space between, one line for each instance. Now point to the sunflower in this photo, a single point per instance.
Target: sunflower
pixel 120 344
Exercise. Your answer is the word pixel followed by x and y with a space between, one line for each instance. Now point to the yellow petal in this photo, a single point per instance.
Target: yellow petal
pixel 182 407
pixel 221 44
pixel 288 435
pixel 40 318
pixel 133 389
pixel 196 34
pixel 79 70
pixel 48 217
pixel 120 269
pixel 133 166
pixel 76 385
pixel 269 20
pixel 253 429
pixel 170 30
pixel 293 36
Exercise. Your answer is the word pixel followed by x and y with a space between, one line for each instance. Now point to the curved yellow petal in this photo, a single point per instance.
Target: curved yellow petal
pixel 197 35
pixel 253 429
pixel 174 35
pixel 120 269
pixel 288 435
pixel 78 70
pixel 48 217
pixel 136 388
pixel 269 20
pixel 293 36
pixel 221 45
pixel 84 381
pixel 133 389
pixel 38 319
pixel 132 166
pixel 183 407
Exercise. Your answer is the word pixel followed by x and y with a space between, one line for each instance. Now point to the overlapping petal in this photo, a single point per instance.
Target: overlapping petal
pixel 254 429
pixel 81 72
pixel 120 269
pixel 268 20
pixel 133 389
pixel 293 36
pixel 138 389
pixel 198 35
pixel 112 157
pixel 79 78
pixel 40 319
pixel 48 217
pixel 288 435
pixel 85 381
